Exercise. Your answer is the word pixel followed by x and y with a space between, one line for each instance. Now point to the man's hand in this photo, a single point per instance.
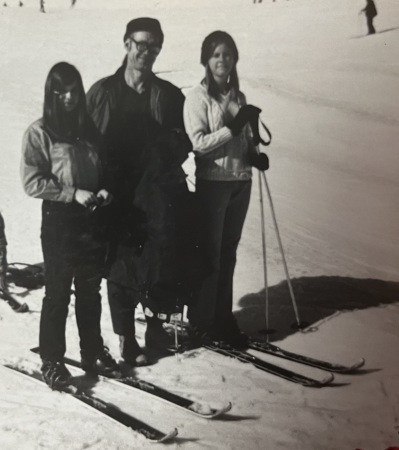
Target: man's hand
pixel 104 198
pixel 85 198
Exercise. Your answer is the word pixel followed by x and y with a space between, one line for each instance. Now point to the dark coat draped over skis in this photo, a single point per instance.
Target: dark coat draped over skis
pixel 154 213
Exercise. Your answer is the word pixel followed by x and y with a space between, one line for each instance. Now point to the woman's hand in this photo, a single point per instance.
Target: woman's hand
pixel 104 198
pixel 260 161
pixel 245 114
pixel 85 198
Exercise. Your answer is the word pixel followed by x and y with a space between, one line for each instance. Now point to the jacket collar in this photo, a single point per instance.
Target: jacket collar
pixel 118 77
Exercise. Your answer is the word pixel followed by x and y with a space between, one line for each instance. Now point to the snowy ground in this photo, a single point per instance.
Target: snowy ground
pixel 330 96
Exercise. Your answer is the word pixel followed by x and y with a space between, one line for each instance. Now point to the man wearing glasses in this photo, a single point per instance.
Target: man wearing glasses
pixel 141 119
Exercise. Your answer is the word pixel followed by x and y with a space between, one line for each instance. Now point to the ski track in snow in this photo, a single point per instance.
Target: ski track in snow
pixel 331 102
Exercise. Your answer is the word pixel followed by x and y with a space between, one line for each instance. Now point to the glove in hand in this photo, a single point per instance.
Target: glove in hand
pixel 246 114
pixel 260 161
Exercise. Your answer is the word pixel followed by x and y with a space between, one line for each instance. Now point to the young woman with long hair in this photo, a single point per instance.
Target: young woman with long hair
pixel 216 118
pixel 61 165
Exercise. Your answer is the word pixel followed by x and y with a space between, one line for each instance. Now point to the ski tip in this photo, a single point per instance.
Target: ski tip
pixel 222 410
pixel 228 407
pixel 167 437
pixel 350 369
pixel 358 365
pixel 354 367
pixel 327 380
pixel 213 412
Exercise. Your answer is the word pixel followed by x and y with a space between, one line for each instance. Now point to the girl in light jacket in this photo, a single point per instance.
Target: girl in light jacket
pixel 216 119
pixel 61 165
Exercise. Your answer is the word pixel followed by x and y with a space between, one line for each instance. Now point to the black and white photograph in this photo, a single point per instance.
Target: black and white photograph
pixel 199 224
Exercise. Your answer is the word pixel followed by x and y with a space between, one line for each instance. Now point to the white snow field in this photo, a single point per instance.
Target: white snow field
pixel 330 95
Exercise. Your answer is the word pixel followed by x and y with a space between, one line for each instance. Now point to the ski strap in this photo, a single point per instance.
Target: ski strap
pixel 268 133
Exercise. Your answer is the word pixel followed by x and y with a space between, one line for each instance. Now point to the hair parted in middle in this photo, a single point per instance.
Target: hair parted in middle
pixel 61 123
pixel 208 47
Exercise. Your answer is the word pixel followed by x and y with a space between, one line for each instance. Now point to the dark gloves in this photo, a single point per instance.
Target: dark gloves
pixel 260 161
pixel 246 114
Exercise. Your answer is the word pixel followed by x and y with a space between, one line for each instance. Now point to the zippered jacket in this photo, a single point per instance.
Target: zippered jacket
pixel 52 169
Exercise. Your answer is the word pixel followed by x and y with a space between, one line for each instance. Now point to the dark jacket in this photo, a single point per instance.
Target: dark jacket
pixel 370 10
pixel 104 97
pixel 165 147
pixel 151 195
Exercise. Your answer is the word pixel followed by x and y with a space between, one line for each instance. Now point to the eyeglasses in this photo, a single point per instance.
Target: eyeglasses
pixel 143 46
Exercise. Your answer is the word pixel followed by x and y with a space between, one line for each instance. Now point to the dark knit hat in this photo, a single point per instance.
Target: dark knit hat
pixel 212 41
pixel 144 24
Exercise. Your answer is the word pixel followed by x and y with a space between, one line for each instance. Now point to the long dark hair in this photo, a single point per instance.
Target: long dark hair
pixel 209 45
pixel 66 125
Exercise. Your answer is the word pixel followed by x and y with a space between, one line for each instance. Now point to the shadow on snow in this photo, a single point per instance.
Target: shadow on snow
pixel 317 298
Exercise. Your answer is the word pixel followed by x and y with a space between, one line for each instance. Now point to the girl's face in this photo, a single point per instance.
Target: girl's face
pixel 69 98
pixel 221 62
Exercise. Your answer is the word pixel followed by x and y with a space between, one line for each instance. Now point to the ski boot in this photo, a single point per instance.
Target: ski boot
pixel 56 375
pixel 101 364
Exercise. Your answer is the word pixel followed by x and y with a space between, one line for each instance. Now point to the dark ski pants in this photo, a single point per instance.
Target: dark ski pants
pixel 68 260
pixel 370 26
pixel 223 206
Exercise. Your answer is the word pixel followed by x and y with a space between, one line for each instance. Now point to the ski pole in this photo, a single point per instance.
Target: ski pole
pixel 262 212
pixel 299 325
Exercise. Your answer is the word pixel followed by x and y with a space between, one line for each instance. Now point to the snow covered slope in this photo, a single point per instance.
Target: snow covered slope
pixel 330 97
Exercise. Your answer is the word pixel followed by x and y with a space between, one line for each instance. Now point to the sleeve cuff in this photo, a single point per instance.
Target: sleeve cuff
pixel 68 194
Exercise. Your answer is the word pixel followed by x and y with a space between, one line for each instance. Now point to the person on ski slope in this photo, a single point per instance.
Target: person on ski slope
pixel 3 255
pixel 141 119
pixel 370 12
pixel 216 118
pixel 61 165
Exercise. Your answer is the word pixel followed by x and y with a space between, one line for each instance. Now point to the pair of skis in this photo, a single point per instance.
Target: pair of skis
pixel 198 409
pixel 287 374
pixel 263 347
pixel 105 409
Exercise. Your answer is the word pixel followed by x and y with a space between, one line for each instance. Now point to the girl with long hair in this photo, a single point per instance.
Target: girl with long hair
pixel 61 165
pixel 216 118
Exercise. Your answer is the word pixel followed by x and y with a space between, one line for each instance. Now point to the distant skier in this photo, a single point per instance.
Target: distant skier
pixel 3 256
pixel 370 12
pixel 42 6
pixel 73 3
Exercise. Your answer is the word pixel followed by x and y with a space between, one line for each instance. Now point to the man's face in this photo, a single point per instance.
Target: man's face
pixel 142 49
